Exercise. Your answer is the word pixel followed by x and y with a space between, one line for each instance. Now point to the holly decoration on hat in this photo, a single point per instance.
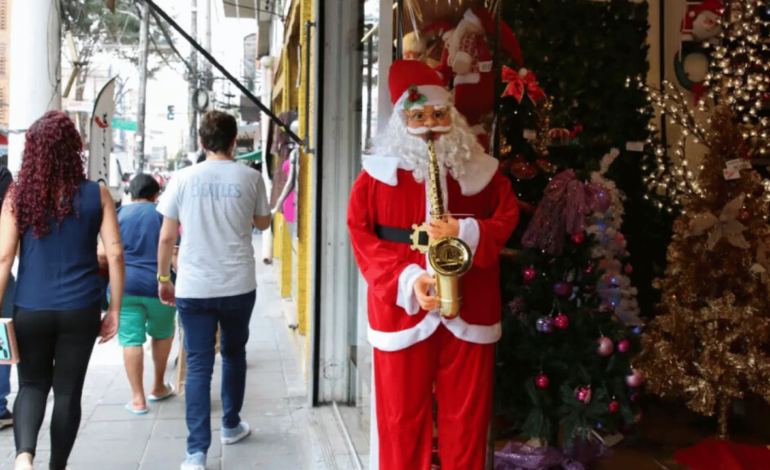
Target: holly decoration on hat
pixel 414 98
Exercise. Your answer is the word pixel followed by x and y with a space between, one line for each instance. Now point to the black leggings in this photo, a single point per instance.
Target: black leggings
pixel 54 350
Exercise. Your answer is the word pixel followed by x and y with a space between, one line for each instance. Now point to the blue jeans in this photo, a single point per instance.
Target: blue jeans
pixel 5 370
pixel 199 320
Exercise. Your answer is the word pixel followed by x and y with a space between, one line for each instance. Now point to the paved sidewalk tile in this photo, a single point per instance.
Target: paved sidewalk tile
pixel 110 438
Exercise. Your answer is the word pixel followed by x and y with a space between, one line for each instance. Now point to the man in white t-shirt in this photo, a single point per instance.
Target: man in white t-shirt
pixel 217 202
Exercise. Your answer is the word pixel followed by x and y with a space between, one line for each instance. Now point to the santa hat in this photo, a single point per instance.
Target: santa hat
pixel 413 85
pixel 510 45
pixel 445 28
pixel 714 6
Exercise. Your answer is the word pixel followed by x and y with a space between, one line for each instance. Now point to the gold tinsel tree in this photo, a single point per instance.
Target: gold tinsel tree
pixel 710 342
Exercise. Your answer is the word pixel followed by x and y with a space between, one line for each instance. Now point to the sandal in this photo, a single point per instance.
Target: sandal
pixel 131 409
pixel 170 392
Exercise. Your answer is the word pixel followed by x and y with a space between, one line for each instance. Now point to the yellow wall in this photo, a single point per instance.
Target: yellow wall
pixel 293 97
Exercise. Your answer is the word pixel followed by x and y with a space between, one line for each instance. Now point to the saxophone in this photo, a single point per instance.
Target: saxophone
pixel 449 257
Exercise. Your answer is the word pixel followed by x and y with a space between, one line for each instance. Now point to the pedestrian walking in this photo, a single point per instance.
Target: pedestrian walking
pixel 56 215
pixel 142 313
pixel 6 417
pixel 217 201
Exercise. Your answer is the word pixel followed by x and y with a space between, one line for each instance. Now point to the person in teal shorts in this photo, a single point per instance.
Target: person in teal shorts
pixel 142 313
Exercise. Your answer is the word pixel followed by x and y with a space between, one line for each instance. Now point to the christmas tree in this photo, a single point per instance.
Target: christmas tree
pixel 709 343
pixel 567 44
pixel 561 337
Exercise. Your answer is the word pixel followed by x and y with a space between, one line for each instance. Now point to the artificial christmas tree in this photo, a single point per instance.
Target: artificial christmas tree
pixel 709 343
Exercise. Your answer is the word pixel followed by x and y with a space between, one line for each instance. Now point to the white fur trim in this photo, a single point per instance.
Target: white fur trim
pixel 478 129
pixel 383 169
pixel 437 96
pixel 478 334
pixel 472 18
pixel 468 79
pixel 470 233
pixel 478 173
pixel 398 340
pixel 406 296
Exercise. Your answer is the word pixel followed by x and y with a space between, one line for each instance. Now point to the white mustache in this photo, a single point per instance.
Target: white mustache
pixel 425 130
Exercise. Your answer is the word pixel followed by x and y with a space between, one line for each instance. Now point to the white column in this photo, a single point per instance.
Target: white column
pixel 267 98
pixel 35 70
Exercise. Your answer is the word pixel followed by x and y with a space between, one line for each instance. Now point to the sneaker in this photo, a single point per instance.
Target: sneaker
pixel 6 419
pixel 231 436
pixel 196 461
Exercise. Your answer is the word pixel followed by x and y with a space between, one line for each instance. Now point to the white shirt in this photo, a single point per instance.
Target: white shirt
pixel 215 203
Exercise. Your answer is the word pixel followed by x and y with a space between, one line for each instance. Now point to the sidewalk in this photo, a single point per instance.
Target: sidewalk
pixel 276 408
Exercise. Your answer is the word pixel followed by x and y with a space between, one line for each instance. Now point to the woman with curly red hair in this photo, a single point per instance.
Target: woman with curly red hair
pixel 53 217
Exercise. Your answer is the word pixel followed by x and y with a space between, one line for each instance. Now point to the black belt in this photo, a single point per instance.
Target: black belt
pixel 398 235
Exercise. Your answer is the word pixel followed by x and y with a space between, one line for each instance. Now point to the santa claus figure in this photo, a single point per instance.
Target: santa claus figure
pixel 702 21
pixel 469 58
pixel 414 46
pixel 414 347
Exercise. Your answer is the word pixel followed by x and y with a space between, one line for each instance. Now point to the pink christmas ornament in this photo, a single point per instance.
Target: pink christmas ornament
pixel 635 379
pixel 561 321
pixel 583 394
pixel 542 381
pixel 614 406
pixel 605 346
pixel 529 274
pixel 620 238
pixel 578 238
pixel 629 269
pixel 624 346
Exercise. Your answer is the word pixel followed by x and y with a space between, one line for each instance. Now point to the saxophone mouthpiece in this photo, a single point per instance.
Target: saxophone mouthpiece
pixel 430 136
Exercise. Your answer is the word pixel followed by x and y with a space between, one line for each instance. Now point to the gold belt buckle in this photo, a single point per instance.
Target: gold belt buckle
pixel 416 231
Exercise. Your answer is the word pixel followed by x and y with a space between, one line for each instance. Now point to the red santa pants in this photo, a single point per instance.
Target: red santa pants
pixel 404 380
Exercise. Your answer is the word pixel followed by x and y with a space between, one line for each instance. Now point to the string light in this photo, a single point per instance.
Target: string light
pixel 739 76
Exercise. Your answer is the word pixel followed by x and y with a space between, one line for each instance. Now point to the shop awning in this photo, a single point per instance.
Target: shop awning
pixel 255 156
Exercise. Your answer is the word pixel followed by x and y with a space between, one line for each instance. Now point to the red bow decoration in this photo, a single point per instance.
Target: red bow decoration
pixel 517 85
pixel 575 130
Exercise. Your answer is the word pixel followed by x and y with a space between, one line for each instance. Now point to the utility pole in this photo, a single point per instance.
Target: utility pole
pixel 207 45
pixel 35 70
pixel 144 49
pixel 192 143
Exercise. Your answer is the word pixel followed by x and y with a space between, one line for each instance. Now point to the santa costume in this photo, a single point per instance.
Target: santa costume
pixel 468 59
pixel 413 348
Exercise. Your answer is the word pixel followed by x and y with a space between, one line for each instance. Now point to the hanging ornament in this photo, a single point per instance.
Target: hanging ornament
pixel 624 346
pixel 562 289
pixel 605 346
pixel 578 238
pixel 619 238
pixel 542 381
pixel 635 380
pixel 614 406
pixel 521 169
pixel 561 321
pixel 529 274
pixel 544 324
pixel 584 394
pixel 589 269
pixel 516 306
pixel 628 269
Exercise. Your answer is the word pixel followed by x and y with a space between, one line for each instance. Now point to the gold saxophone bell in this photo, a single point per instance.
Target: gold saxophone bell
pixel 449 257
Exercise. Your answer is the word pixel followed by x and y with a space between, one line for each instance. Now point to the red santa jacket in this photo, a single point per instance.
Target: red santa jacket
pixel 386 194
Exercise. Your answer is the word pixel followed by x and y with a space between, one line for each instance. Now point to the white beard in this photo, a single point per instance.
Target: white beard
pixel 454 149
pixel 703 28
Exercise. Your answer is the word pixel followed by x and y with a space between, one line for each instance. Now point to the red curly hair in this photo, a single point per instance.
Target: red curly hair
pixel 52 168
